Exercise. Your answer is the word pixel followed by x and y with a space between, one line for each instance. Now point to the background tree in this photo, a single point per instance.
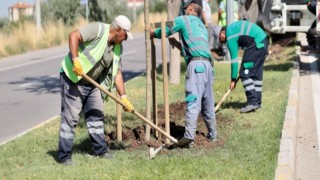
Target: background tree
pixel 105 11
pixel 67 11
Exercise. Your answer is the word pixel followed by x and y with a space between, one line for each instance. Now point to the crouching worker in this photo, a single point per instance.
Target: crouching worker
pixel 95 50
pixel 254 41
pixel 199 74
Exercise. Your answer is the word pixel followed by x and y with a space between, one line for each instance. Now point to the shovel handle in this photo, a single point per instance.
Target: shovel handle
pixel 224 97
pixel 86 77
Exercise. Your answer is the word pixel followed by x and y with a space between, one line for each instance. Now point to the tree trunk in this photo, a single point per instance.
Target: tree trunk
pixel 174 69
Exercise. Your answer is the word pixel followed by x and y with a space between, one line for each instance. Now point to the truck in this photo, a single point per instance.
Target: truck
pixel 280 17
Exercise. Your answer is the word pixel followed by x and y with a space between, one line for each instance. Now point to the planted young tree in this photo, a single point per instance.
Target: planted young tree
pixel 173 11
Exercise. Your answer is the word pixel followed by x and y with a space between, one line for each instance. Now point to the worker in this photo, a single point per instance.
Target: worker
pixel 219 50
pixel 206 14
pixel 222 13
pixel 199 74
pixel 95 50
pixel 254 41
pixel 311 5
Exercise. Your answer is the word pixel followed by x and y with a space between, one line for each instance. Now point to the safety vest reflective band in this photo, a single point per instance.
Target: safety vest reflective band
pixel 90 53
pixel 223 19
pixel 196 44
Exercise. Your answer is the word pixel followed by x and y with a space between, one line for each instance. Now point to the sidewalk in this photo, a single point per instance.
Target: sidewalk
pixel 299 148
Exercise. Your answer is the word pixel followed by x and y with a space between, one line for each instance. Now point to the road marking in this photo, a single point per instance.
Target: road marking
pixel 315 81
pixel 33 62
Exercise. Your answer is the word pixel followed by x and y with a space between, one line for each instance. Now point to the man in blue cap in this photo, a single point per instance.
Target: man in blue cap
pixel 199 74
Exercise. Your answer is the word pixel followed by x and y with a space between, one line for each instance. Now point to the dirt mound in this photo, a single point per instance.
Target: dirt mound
pixel 133 138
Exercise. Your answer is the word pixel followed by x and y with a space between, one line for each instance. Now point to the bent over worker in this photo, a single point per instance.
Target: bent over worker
pixel 254 41
pixel 199 75
pixel 95 50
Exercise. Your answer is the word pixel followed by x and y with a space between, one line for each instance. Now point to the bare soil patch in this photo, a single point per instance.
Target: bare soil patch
pixel 133 137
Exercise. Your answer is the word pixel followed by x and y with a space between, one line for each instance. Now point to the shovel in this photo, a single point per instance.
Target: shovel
pixel 224 97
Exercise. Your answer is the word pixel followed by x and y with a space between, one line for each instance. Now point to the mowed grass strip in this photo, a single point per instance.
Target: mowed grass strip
pixel 249 150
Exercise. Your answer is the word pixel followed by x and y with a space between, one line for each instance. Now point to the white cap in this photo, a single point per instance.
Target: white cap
pixel 125 24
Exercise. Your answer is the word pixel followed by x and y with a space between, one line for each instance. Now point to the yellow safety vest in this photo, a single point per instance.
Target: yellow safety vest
pixel 90 53
pixel 223 18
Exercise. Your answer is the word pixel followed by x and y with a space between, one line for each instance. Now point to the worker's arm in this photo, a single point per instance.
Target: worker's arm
pixel 74 40
pixel 205 21
pixel 173 42
pixel 121 90
pixel 233 49
pixel 119 83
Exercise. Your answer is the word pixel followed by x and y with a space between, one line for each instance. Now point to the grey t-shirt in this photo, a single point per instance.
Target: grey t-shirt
pixel 90 33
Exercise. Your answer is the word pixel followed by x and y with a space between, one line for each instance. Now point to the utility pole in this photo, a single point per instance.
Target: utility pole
pixel 38 18
pixel 230 11
pixel 87 11
pixel 134 11
pixel 230 19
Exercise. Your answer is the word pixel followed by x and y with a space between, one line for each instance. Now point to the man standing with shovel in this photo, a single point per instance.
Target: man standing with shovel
pixel 199 75
pixel 95 50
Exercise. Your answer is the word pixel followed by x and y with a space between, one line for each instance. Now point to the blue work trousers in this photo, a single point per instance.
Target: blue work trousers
pixel 199 97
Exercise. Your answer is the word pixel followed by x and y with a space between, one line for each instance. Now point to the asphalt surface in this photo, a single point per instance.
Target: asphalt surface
pixel 29 83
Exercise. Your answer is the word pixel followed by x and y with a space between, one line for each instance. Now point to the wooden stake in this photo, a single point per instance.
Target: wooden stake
pixel 165 78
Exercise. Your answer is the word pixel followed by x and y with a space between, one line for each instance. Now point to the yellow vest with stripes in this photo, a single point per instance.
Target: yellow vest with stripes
pixel 90 53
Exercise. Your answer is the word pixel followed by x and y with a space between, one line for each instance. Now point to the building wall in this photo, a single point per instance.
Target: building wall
pixel 15 13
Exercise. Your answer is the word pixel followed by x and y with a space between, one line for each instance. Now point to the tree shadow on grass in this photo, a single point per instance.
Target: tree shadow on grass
pixel 233 105
pixel 278 67
pixel 39 85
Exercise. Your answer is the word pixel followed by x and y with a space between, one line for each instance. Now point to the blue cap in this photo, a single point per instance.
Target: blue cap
pixel 199 2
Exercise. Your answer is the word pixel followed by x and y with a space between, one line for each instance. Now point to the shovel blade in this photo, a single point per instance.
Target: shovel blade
pixel 184 141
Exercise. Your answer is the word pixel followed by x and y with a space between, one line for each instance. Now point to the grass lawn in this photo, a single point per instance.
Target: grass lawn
pixel 249 149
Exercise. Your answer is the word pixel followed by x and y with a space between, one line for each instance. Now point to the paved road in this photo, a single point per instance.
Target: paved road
pixel 308 121
pixel 29 84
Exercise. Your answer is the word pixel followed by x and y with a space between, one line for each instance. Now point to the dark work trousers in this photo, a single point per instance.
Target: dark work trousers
pixel 252 77
pixel 74 99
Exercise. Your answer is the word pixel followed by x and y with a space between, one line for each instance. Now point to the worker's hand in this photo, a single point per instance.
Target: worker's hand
pixel 128 106
pixel 232 85
pixel 77 68
pixel 151 32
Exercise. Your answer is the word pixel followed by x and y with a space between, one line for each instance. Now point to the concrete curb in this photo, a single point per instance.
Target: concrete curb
pixel 286 157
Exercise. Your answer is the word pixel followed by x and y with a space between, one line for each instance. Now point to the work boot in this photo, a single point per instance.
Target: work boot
pixel 106 155
pixel 191 145
pixel 67 162
pixel 213 137
pixel 184 141
pixel 249 108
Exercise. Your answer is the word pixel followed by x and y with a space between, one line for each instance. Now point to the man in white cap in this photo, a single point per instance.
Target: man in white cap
pixel 95 50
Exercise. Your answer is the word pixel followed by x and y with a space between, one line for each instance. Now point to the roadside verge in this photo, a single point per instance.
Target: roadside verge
pixel 286 157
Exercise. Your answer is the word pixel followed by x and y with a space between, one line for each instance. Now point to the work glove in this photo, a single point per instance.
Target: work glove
pixel 128 106
pixel 77 68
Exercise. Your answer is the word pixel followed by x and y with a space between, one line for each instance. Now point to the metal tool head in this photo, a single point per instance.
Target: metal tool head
pixel 153 152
